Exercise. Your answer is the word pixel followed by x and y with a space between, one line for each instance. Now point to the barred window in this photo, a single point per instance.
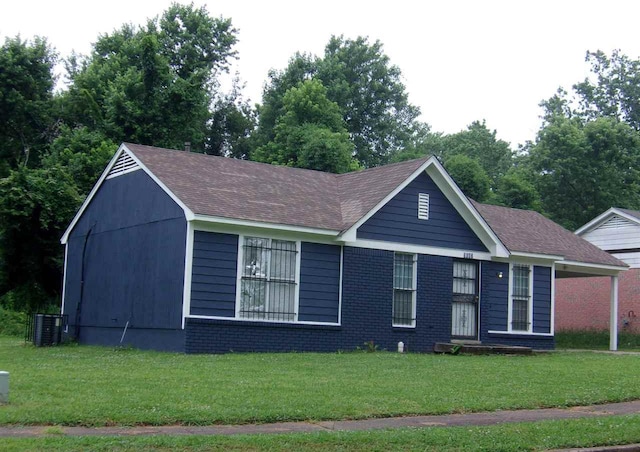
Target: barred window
pixel 520 297
pixel 404 290
pixel 268 282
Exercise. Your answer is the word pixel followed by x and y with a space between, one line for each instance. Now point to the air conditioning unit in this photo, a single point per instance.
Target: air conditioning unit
pixel 47 329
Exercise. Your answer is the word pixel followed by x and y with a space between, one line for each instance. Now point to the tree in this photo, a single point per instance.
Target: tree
pixel 482 145
pixel 584 168
pixel 309 132
pixel 36 206
pixel 616 92
pixel 360 79
pixel 516 190
pixel 155 84
pixel 26 101
pixel 470 177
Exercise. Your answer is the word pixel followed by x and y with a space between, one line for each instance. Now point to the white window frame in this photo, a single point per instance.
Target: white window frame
pixel 511 299
pixel 414 282
pixel 240 274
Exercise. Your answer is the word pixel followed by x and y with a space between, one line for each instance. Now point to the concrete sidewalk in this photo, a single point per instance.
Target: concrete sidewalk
pixel 488 418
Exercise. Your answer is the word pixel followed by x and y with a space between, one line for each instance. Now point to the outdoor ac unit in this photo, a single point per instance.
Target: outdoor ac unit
pixel 47 329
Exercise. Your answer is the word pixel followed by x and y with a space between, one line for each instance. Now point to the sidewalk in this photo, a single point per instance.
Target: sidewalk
pixel 489 418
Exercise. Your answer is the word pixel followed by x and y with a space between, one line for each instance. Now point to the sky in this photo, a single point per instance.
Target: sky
pixel 461 61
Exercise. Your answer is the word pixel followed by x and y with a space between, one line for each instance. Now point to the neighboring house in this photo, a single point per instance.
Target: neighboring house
pixel 181 251
pixel 584 304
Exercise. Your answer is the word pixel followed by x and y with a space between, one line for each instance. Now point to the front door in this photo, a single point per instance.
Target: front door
pixel 464 306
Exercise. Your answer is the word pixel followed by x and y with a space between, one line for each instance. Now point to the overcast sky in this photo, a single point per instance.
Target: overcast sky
pixel 461 60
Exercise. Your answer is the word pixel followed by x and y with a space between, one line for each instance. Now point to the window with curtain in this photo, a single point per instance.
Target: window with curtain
pixel 268 281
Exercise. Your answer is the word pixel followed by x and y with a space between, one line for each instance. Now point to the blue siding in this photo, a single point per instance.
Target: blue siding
pixel 319 283
pixel 397 221
pixel 214 274
pixel 541 299
pixel 367 294
pixel 494 298
pixel 133 266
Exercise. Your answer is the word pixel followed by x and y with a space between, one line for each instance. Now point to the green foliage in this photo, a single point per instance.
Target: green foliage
pixel 12 323
pixel 153 84
pixel 309 133
pixel 368 90
pixel 470 177
pixel 584 168
pixel 26 93
pixel 35 207
pixel 516 190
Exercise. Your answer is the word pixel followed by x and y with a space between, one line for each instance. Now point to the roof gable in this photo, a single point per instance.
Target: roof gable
pixel 608 219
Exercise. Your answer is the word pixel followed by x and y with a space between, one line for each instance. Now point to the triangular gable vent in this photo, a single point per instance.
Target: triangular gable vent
pixel 615 222
pixel 124 164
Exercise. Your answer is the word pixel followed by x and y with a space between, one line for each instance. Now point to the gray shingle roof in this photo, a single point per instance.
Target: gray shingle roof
pixel 527 231
pixel 239 189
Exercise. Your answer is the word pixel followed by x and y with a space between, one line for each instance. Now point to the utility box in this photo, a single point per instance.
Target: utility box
pixel 46 329
pixel 4 387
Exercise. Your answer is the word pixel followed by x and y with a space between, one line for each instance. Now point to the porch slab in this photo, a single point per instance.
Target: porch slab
pixel 481 349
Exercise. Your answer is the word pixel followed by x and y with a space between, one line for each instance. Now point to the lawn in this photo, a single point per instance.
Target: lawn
pixel 81 385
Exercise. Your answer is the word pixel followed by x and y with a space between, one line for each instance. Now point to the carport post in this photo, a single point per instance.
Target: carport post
pixel 613 320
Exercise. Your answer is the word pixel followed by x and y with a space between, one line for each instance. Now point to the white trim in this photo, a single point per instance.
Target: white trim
pixel 240 274
pixel 64 279
pixel 590 269
pixel 419 249
pixel 123 148
pixel 236 319
pixel 414 290
pixel 529 329
pixel 519 333
pixel 188 272
pixel 597 221
pixel 613 315
pixel 340 285
pixel 552 323
pixel 423 206
pixel 264 225
pixel 537 256
pixel 479 288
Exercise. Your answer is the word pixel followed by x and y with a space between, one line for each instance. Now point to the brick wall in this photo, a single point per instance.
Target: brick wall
pixel 583 303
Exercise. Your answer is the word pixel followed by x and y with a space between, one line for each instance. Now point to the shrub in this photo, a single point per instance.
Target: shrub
pixel 12 323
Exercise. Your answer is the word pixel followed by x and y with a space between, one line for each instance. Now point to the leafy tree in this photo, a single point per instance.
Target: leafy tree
pixel 470 177
pixel 616 92
pixel 26 101
pixel 309 132
pixel 479 143
pixel 516 190
pixel 36 206
pixel 584 168
pixel 153 84
pixel 360 79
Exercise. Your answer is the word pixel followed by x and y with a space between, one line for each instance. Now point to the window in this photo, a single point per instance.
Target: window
pixel 423 206
pixel 520 297
pixel 268 281
pixel 404 290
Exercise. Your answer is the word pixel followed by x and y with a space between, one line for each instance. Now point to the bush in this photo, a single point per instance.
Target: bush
pixel 12 323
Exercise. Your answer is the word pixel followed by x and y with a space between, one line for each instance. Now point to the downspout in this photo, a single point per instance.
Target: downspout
pixel 82 266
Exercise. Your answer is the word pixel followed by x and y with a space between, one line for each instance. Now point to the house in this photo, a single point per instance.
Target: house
pixel 187 252
pixel 583 304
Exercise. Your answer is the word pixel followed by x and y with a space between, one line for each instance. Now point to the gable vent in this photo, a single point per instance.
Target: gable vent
pixel 423 206
pixel 615 222
pixel 124 164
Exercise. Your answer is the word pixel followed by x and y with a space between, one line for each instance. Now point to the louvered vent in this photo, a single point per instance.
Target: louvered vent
pixel 124 164
pixel 423 206
pixel 615 222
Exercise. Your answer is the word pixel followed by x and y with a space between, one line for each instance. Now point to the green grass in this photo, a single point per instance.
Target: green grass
pixel 507 437
pixel 80 385
pixel 595 340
